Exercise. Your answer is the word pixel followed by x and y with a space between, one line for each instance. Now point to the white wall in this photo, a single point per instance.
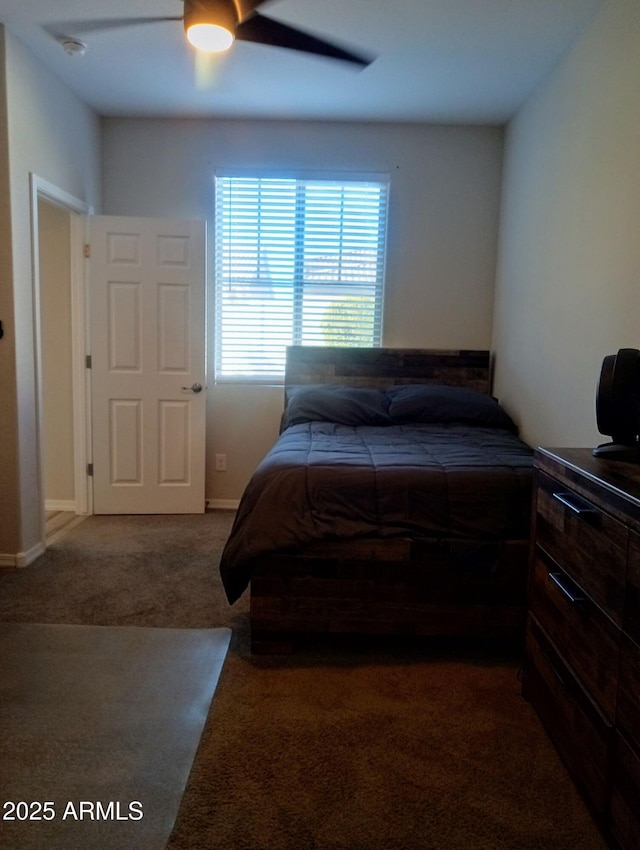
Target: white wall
pixel 568 283
pixel 444 209
pixel 9 508
pixel 51 133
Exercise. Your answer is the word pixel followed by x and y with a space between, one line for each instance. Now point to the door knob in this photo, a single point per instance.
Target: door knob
pixel 194 388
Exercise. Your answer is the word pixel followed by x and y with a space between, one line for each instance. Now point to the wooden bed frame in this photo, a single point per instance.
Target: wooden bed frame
pixel 397 586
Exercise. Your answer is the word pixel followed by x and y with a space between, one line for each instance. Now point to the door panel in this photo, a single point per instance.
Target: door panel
pixel 147 284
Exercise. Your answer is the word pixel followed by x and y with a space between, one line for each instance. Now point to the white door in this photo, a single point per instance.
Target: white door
pixel 147 327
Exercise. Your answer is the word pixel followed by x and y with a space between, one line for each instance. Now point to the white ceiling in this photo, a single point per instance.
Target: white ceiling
pixel 469 61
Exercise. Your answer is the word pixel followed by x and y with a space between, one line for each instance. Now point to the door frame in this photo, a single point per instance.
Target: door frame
pixel 78 211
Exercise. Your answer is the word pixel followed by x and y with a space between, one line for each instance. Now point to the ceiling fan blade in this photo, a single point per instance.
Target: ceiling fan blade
pixel 71 27
pixel 263 30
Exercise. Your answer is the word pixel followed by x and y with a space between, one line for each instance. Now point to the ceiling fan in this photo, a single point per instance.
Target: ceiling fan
pixel 213 25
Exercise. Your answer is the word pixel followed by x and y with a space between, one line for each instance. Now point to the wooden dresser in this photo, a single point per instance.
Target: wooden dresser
pixel 582 660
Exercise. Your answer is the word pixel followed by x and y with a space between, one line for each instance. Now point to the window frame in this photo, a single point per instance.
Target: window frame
pixel 299 284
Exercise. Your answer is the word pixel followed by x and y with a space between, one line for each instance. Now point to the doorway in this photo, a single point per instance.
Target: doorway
pixel 59 301
pixel 56 414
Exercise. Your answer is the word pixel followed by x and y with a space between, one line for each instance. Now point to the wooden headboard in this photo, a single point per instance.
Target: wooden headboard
pixel 382 367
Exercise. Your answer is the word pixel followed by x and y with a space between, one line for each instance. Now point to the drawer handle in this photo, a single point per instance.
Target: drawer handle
pixel 568 588
pixel 582 509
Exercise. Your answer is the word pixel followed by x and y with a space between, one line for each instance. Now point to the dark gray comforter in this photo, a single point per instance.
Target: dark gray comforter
pixel 323 480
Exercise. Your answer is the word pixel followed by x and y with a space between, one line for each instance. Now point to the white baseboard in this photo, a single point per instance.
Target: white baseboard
pixel 7 561
pixel 223 504
pixel 23 559
pixel 60 505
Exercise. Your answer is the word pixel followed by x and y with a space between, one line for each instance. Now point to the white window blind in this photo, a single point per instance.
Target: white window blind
pixel 297 261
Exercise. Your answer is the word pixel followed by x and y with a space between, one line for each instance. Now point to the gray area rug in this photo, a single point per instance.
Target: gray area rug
pixel 99 727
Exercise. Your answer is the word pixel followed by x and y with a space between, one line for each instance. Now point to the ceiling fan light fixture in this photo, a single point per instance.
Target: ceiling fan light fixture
pixel 210 38
pixel 210 25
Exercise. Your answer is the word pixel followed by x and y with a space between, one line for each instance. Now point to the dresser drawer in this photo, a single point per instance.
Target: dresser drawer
pixel 625 794
pixel 578 730
pixel 586 542
pixel 588 639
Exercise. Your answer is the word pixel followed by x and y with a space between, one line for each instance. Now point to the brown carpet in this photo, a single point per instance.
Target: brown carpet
pixel 362 747
pixel 101 724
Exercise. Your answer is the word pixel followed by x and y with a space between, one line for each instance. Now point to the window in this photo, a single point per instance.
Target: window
pixel 297 262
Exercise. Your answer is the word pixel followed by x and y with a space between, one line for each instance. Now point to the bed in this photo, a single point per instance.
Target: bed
pixel 396 501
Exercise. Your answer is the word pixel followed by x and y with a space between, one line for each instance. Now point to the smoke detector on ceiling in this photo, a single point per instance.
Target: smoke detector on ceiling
pixel 73 46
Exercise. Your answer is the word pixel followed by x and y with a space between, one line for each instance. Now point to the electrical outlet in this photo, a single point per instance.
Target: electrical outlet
pixel 221 463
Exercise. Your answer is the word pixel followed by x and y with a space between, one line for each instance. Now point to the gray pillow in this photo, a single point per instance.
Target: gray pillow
pixel 434 403
pixel 335 403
